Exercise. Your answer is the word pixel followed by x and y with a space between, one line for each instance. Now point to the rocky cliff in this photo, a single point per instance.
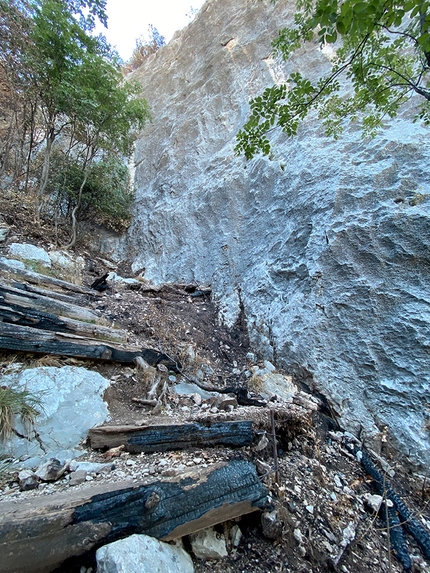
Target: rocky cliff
pixel 326 245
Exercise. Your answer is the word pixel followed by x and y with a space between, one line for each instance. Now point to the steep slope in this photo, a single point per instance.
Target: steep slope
pixel 327 245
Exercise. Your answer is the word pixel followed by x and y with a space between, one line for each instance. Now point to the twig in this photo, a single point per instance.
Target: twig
pixel 275 446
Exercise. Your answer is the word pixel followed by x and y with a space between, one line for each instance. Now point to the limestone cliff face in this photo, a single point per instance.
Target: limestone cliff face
pixel 327 245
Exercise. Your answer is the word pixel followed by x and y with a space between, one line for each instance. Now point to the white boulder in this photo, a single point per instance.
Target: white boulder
pixel 142 554
pixel 71 404
pixel 29 252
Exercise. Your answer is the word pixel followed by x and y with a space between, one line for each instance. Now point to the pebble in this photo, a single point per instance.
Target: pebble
pixel 77 477
pixel 298 536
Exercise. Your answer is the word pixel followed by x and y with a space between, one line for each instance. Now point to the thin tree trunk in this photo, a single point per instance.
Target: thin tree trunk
pixel 45 172
pixel 75 210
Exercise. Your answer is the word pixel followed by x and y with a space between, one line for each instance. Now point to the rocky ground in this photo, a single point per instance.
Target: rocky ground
pixel 322 517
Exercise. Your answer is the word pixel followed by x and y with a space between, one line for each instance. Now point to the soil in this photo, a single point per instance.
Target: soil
pixel 322 520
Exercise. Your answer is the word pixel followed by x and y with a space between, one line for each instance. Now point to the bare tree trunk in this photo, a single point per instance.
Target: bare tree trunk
pixel 45 172
pixel 75 210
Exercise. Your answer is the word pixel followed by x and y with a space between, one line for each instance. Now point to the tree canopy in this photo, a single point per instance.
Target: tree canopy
pixel 381 48
pixel 63 92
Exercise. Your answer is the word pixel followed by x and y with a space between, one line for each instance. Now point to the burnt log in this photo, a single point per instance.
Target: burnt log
pixel 15 314
pixel 72 298
pixel 154 358
pixel 27 339
pixel 38 279
pixel 162 438
pixel 38 536
pixel 100 284
pixel 18 297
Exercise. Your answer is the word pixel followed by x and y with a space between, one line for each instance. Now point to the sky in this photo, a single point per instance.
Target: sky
pixel 129 19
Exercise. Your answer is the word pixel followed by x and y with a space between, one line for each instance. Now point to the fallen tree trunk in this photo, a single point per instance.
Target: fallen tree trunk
pixel 26 339
pixel 172 436
pixel 36 537
pixel 39 279
pixel 15 314
pixel 14 296
pixel 72 298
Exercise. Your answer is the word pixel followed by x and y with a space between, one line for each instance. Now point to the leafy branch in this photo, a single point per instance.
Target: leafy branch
pixel 382 50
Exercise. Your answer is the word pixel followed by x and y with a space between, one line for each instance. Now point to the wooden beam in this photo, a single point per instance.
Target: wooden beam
pixel 39 279
pixel 15 314
pixel 40 534
pixel 72 298
pixel 14 296
pixel 162 438
pixel 27 339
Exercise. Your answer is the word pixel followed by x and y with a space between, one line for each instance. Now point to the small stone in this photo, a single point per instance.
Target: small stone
pixel 90 467
pixel 298 536
pixel 77 477
pixel 271 524
pixel 170 472
pixel 196 398
pixel 375 501
pixel 51 470
pixel 310 509
pixel 28 480
pixel 207 544
pixel 292 507
pixel 337 481
pixel 227 402
pixel 235 536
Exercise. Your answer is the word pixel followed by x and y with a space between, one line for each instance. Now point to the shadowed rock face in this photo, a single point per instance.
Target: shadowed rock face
pixel 327 245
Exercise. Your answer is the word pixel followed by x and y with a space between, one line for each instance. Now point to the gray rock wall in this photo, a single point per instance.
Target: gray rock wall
pixel 327 244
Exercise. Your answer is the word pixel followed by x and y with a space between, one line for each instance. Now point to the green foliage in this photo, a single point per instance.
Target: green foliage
pixel 106 196
pixel 381 47
pixel 16 402
pixel 145 47
pixel 74 84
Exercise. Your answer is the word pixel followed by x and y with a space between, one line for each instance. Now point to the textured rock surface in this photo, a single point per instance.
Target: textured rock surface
pixel 30 253
pixel 142 554
pixel 327 245
pixel 72 403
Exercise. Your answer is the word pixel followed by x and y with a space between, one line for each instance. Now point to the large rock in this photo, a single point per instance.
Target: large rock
pixel 326 245
pixel 71 404
pixel 30 253
pixel 142 554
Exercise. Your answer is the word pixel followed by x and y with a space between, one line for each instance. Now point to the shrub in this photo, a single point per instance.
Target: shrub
pixel 15 402
pixel 107 195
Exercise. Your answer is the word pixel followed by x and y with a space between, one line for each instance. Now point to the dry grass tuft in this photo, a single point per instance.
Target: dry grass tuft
pixel 15 402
